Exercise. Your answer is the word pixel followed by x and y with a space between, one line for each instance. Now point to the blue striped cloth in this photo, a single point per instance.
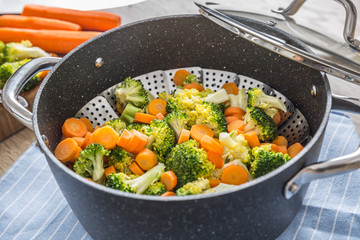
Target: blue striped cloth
pixel 33 207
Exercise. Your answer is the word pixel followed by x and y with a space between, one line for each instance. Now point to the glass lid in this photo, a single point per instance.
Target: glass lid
pixel 341 59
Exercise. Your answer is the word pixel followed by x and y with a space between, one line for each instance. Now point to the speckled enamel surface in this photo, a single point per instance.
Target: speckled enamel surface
pixel 257 210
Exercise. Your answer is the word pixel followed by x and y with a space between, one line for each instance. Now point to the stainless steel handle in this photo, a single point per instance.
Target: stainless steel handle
pixel 344 103
pixel 350 20
pixel 278 45
pixel 17 81
pixel 336 166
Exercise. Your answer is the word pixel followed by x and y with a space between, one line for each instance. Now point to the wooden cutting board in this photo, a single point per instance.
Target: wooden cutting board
pixel 8 124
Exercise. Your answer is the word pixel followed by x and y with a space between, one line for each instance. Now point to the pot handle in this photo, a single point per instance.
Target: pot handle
pixel 17 81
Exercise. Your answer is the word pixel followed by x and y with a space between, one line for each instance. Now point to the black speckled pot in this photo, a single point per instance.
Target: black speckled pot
pixel 255 210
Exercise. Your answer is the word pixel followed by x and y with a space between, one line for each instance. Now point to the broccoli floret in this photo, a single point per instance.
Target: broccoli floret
pixel 156 189
pixel 128 114
pixel 138 185
pixel 190 79
pixel 140 127
pixel 257 98
pixel 161 139
pixel 7 69
pixel 240 100
pixel 220 187
pixel 164 96
pixel 2 45
pixel 117 124
pixel 271 112
pixel 206 92
pixel 220 96
pixel 120 159
pixel 263 125
pixel 177 122
pixel 14 52
pixel 195 187
pixel 90 164
pixel 189 162
pixel 131 91
pixel 235 147
pixel 212 116
pixel 266 160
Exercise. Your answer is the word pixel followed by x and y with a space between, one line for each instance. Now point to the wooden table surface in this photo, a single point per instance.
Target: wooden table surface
pixel 328 18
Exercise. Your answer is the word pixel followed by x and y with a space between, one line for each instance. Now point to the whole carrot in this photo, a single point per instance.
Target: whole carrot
pixel 59 41
pixel 88 20
pixel 17 21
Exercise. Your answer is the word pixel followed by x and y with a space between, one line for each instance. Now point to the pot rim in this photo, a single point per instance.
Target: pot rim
pixel 274 173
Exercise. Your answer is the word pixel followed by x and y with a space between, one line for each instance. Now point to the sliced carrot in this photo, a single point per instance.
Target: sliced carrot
pixel 67 150
pixel 43 74
pixel 199 130
pixel 124 139
pixel 215 158
pixel 195 85
pixel 86 140
pixel 89 179
pixel 214 182
pixel 280 141
pixel 236 125
pixel 157 106
pixel 73 127
pixel 233 110
pixel 240 132
pixel 143 118
pixel 231 119
pixel 159 116
pixel 89 20
pixel 169 179
pixel 88 124
pixel 252 139
pixel 294 149
pixel 96 127
pixel 109 170
pixel 105 136
pixel 282 149
pixel 277 118
pixel 79 141
pixel 210 144
pixel 59 41
pixel 184 136
pixel 134 167
pixel 17 21
pixel 180 76
pixel 168 194
pixel 231 88
pixel 274 147
pixel 237 115
pixel 143 140
pixel 234 175
pixel 146 159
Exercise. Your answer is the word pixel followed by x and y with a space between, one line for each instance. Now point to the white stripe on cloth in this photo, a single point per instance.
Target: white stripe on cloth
pixel 69 234
pixel 61 223
pixel 353 218
pixel 317 181
pixel 85 235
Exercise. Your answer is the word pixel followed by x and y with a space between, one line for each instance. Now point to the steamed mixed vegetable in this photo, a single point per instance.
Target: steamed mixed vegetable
pixel 191 141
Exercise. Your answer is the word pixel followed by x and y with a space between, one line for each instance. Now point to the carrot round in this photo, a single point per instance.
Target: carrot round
pixel 157 106
pixel 180 76
pixel 109 170
pixel 67 150
pixel 17 21
pixel 214 182
pixel 169 179
pixel 134 167
pixel 252 139
pixel 237 115
pixel 143 140
pixel 233 110
pixel 199 130
pixel 210 144
pixel 88 124
pixel 294 149
pixel 234 175
pixel 273 147
pixel 282 149
pixel 79 141
pixel 159 116
pixel 236 125
pixel 105 136
pixel 146 159
pixel 195 85
pixel 280 141
pixel 43 74
pixel 73 127
pixel 124 139
pixel 143 118
pixel 231 119
pixel 89 20
pixel 86 140
pixel 184 136
pixel 59 41
pixel 277 118
pixel 168 194
pixel 215 158
pixel 231 88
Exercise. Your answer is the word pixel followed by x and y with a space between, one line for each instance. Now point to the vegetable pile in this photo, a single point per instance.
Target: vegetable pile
pixel 191 141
